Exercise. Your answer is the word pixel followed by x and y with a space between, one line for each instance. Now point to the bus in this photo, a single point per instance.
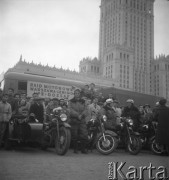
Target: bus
pixel 57 87
pixel 46 86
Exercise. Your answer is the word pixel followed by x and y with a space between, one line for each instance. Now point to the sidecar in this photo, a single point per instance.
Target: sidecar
pixel 23 130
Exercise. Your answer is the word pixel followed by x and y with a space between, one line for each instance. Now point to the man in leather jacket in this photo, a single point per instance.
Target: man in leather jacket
pixel 132 111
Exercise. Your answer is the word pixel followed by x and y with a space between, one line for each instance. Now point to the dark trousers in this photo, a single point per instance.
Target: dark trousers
pixel 79 133
pixel 3 131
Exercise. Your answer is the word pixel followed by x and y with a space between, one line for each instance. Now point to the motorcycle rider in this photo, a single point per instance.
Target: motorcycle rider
pixel 110 113
pixel 53 103
pixel 132 111
pixel 77 115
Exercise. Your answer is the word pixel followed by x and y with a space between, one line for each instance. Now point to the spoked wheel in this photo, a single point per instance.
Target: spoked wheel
pixel 156 148
pixel 106 146
pixel 62 143
pixel 134 146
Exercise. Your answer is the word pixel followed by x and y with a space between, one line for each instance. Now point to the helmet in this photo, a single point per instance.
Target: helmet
pixel 130 101
pixel 108 101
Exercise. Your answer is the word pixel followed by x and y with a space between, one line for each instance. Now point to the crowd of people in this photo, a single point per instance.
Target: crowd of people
pixel 85 104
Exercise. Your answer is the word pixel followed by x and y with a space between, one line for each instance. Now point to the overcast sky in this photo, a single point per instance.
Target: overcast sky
pixel 60 32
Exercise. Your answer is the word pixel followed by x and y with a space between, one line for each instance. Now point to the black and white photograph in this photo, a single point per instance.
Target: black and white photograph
pixel 84 89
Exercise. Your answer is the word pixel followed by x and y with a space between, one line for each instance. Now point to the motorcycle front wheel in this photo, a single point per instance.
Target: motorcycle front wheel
pixel 106 146
pixel 134 146
pixel 62 143
pixel 155 147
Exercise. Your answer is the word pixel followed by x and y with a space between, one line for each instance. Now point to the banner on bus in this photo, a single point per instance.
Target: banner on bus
pixel 47 90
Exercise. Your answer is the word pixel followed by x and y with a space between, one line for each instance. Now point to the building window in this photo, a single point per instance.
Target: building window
pixel 94 68
pixel 124 56
pixel 120 55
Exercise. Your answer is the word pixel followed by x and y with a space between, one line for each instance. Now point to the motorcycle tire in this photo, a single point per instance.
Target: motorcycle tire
pixel 62 143
pixel 134 147
pixel 155 148
pixel 106 147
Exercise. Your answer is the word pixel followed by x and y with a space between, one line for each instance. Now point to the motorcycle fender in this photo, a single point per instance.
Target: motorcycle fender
pixel 111 132
pixel 152 138
pixel 66 125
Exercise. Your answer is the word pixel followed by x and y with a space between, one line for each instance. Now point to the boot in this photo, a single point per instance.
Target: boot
pixel 83 147
pixel 75 147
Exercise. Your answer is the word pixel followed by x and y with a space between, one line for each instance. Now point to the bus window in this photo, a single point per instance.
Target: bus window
pixel 22 86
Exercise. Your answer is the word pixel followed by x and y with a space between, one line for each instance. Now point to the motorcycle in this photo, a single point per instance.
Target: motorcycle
pixel 104 140
pixel 148 133
pixel 127 136
pixel 57 132
pixel 23 129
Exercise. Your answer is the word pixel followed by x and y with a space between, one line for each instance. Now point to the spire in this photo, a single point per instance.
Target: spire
pixel 20 59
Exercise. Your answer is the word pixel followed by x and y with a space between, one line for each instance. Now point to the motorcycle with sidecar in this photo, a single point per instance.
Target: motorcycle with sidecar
pixel 23 129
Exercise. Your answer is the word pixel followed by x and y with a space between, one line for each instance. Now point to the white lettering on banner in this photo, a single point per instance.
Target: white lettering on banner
pixel 50 90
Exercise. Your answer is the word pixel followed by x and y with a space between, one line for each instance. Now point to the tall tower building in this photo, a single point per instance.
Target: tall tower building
pixel 126 42
pixel 160 76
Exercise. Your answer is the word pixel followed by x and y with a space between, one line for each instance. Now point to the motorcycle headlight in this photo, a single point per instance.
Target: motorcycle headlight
pixel 104 118
pixel 63 117
pixel 130 122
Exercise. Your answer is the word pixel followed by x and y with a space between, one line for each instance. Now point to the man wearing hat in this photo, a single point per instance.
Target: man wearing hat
pixel 132 111
pixel 162 117
pixel 110 113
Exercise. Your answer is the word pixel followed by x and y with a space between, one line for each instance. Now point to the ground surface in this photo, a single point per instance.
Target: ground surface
pixel 32 164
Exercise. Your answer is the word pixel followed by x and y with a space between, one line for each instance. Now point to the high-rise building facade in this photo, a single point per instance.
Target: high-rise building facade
pixel 126 42
pixel 160 76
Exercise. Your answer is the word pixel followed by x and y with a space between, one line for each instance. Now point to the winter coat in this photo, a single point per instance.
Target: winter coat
pixel 77 111
pixel 133 113
pixel 162 117
pixel 110 114
pixel 38 110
